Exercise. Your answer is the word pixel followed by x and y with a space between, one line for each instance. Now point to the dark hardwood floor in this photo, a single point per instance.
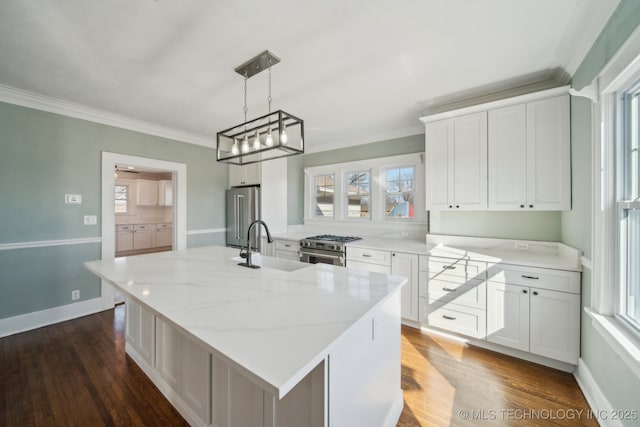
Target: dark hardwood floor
pixel 76 373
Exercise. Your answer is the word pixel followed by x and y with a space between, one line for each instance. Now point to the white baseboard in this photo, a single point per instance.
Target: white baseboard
pixel 38 319
pixel 600 406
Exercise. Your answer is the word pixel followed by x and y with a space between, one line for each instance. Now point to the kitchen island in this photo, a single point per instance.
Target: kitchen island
pixel 286 345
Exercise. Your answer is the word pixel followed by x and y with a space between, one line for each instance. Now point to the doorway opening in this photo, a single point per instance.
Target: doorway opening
pixel 143 192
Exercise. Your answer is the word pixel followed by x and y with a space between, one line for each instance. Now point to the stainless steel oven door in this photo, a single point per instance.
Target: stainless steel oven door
pixel 318 256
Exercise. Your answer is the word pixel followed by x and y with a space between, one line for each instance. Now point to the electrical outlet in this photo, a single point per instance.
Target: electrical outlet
pixel 521 246
pixel 404 234
pixel 90 219
pixel 75 294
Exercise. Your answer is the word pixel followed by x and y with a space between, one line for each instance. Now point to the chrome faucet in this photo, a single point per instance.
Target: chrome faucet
pixel 248 262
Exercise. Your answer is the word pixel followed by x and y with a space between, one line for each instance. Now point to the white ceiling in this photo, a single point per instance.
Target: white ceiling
pixel 356 71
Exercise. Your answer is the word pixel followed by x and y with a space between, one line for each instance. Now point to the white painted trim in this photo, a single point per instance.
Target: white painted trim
pixel 206 231
pixel 38 319
pixel 601 409
pixel 47 243
pixel 109 162
pixel 586 262
pixel 549 93
pixel 33 100
pixel 622 341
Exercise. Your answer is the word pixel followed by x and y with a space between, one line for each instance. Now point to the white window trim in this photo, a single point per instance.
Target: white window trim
pixel 618 74
pixel 376 196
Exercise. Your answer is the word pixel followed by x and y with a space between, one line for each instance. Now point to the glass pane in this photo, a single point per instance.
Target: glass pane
pixel 324 195
pixel 406 174
pixel 398 206
pixel 357 207
pixel 393 174
pixel 121 206
pixel 633 267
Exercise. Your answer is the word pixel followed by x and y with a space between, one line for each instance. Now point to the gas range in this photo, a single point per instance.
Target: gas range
pixel 327 242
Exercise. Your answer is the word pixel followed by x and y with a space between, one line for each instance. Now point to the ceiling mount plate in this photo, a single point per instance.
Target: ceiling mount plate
pixel 257 64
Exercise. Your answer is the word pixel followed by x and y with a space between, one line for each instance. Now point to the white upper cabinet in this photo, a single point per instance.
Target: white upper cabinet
pixel 456 163
pixel 165 193
pixel 511 154
pixel 244 175
pixel 147 192
pixel 529 156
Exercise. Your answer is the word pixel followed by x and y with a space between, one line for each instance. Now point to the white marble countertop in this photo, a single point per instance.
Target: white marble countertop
pixel 274 325
pixel 392 244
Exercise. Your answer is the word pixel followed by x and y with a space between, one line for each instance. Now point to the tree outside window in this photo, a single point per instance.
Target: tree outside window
pixel 399 192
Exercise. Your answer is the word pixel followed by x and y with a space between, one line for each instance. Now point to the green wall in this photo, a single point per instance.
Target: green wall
pixel 45 155
pixel 617 382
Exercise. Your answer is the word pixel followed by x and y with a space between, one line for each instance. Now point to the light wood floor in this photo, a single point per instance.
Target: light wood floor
pixel 76 373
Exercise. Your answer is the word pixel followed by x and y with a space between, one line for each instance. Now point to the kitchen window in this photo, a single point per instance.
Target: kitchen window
pixel 358 188
pixel 399 192
pixel 324 196
pixel 379 190
pixel 121 199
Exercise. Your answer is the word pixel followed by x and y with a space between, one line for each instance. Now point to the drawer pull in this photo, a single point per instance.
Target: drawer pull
pixel 366 255
pixel 530 277
pixel 287 246
pixel 448 267
pixel 444 316
pixel 448 290
pixel 535 293
pixel 524 291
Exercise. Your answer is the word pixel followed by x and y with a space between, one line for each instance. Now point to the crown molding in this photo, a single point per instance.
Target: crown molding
pixel 11 95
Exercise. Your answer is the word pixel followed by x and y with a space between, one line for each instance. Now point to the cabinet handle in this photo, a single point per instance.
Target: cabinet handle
pixel 457 206
pixel 448 267
pixel 535 293
pixel 530 206
pixel 524 291
pixel 448 290
pixel 450 206
pixel 522 206
pixel 287 246
pixel 444 316
pixel 366 255
pixel 530 277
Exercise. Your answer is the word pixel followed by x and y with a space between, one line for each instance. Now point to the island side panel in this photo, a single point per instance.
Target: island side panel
pixel 365 370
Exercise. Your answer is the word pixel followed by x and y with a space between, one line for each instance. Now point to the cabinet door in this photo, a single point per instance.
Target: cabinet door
pixel 164 236
pixel 407 265
pixel 508 315
pixel 168 353
pixel 507 158
pixel 244 175
pixel 195 381
pixel 291 256
pixel 143 237
pixel 374 268
pixel 439 164
pixel 124 239
pixel 147 192
pixel 132 330
pixel 165 193
pixel 146 336
pixel 470 161
pixel 548 154
pixel 555 325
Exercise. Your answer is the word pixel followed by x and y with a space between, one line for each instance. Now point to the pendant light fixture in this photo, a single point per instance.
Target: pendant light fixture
pixel 283 132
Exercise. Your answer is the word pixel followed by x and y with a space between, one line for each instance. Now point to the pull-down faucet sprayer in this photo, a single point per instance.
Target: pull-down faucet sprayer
pixel 248 262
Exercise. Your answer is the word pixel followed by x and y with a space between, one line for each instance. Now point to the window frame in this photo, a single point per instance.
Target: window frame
pixel 127 200
pixel 384 183
pixel 314 198
pixel 376 166
pixel 347 195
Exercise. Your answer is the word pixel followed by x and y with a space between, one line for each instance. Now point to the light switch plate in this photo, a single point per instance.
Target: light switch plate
pixel 90 219
pixel 72 199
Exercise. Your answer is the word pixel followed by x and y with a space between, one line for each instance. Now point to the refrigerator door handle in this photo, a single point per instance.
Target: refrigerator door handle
pixel 240 215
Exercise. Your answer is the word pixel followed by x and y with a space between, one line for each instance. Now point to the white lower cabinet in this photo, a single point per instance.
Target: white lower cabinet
pixel 535 310
pixel 387 262
pixel 144 236
pixel 286 249
pixel 185 367
pixel 140 330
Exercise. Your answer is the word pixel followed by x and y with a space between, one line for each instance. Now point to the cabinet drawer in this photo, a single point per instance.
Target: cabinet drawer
pixel 124 228
pixel 368 266
pixel 163 226
pixel 372 256
pixel 544 278
pixel 453 317
pixel 472 293
pixel 456 267
pixel 144 227
pixel 287 245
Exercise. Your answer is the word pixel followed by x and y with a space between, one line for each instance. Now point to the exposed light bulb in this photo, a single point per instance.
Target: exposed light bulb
pixel 256 142
pixel 269 140
pixel 283 135
pixel 234 149
pixel 245 144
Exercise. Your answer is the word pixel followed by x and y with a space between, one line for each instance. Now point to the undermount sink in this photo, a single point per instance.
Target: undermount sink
pixel 272 262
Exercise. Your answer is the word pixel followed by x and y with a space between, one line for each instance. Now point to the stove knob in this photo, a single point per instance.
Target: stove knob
pixel 333 247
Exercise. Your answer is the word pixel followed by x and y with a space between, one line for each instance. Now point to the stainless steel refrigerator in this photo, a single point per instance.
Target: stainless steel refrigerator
pixel 243 207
